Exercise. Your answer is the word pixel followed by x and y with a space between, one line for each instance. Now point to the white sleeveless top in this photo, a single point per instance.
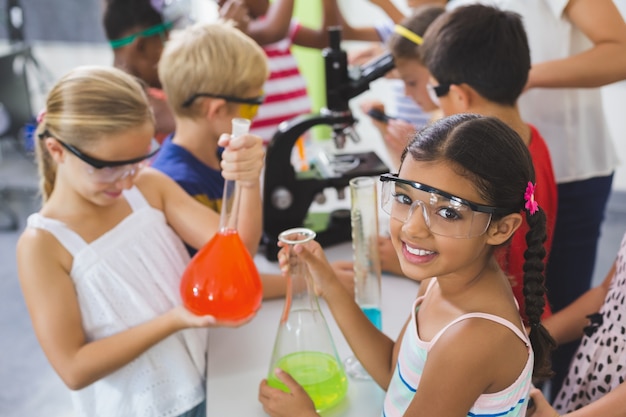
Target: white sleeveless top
pixel 127 276
pixel 509 402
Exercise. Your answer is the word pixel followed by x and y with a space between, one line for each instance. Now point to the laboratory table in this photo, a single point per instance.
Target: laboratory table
pixel 239 358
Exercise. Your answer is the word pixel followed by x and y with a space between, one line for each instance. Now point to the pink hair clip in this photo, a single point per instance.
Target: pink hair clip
pixel 531 205
pixel 41 115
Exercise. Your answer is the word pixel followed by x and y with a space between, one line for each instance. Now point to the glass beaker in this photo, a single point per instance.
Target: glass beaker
pixel 304 347
pixel 222 280
pixel 367 274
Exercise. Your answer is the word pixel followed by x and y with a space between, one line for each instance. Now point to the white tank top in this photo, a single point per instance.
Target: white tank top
pixel 128 276
pixel 509 402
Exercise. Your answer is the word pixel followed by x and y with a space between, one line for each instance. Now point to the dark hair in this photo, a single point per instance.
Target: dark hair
pixel 494 157
pixel 481 46
pixel 123 16
pixel 418 22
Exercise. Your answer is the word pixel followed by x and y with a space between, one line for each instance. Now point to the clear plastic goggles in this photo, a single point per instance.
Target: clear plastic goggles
pixel 101 171
pixel 111 175
pixel 444 214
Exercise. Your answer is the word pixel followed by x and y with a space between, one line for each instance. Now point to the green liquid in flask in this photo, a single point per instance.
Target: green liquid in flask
pixel 319 374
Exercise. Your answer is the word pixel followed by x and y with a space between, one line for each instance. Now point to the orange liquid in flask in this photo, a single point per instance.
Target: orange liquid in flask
pixel 222 280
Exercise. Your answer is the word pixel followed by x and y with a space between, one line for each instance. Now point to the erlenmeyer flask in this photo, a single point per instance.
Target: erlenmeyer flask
pixel 222 280
pixel 367 274
pixel 304 347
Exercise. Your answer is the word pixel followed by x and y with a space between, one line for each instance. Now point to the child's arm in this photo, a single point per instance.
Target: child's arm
pixel 366 33
pixel 349 32
pixel 274 26
pixel 237 12
pixel 567 325
pixel 602 64
pixel 50 296
pixel 274 286
pixel 371 346
pixel 195 223
pixel 390 9
pixel 472 357
pixel 318 38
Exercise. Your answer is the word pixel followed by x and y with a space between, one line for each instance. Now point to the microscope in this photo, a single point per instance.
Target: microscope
pixel 287 194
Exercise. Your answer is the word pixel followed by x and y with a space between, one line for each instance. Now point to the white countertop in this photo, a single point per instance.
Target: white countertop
pixel 239 358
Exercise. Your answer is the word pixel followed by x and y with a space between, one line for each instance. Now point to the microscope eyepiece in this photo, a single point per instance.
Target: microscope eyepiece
pixel 334 37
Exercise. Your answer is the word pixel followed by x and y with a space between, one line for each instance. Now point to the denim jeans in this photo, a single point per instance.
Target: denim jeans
pixel 581 210
pixel 197 411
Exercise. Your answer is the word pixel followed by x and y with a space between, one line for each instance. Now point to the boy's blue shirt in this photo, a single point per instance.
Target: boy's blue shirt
pixel 200 181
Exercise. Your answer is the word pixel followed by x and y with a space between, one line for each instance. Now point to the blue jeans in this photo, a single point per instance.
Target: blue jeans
pixel 581 210
pixel 197 411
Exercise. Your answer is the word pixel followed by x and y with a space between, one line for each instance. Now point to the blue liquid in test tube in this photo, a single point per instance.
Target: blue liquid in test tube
pixel 374 315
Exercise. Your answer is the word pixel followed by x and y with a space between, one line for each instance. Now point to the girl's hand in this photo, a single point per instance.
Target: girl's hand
pixel 368 105
pixel 242 159
pixel 399 132
pixel 278 403
pixel 237 11
pixel 186 319
pixel 312 254
pixel 372 104
pixel 541 408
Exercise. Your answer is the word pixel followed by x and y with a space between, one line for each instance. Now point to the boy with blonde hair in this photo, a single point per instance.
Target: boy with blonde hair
pixel 211 73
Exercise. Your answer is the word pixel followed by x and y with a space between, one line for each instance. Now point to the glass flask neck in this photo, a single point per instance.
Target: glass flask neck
pixel 300 293
pixel 230 207
pixel 231 195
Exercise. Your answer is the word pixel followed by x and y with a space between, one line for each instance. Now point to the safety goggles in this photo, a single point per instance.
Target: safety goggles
pixel 161 29
pixel 437 91
pixel 444 214
pixel 176 14
pixel 247 109
pixel 102 171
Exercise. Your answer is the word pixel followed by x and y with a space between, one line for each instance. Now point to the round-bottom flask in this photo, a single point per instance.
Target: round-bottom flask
pixel 222 280
pixel 304 347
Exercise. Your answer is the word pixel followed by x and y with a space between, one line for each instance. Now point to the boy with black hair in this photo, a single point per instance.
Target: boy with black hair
pixel 479 59
pixel 476 59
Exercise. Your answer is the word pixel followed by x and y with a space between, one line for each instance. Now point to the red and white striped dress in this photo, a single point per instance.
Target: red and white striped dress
pixel 285 90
